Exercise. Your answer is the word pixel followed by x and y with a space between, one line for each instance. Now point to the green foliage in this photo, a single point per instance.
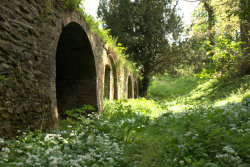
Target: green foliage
pixel 72 4
pixel 145 28
pixel 126 118
pixel 47 9
pixel 110 41
pixel 2 77
pixel 82 144
pixel 223 44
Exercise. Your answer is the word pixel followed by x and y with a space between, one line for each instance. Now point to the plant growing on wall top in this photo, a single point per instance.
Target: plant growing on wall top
pixel 110 42
pixel 72 4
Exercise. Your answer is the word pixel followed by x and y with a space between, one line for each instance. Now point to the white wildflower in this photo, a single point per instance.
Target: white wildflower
pixel 233 129
pixel 6 150
pixel 188 134
pixel 28 147
pixel 49 150
pixel 240 131
pixel 229 149
pixel 5 157
pixel 19 151
pixel 48 137
pixel 19 164
pixel 1 141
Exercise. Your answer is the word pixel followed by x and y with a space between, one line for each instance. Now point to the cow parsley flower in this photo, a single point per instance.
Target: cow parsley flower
pixel 229 149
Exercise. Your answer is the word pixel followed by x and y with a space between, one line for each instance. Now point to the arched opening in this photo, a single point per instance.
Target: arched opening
pixel 130 87
pixel 75 70
pixel 114 73
pixel 107 82
pixel 135 90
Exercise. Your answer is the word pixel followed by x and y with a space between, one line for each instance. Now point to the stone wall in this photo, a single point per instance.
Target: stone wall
pixel 42 79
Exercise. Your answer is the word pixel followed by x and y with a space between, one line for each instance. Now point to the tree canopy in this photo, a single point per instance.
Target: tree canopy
pixel 221 31
pixel 147 28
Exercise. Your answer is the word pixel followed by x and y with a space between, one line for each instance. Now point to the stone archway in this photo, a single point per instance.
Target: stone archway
pixel 107 82
pixel 130 87
pixel 75 70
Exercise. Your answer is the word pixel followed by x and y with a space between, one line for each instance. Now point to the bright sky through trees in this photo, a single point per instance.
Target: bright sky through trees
pixel 186 8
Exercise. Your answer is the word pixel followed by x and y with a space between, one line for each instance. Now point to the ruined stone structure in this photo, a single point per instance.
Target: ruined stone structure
pixel 52 63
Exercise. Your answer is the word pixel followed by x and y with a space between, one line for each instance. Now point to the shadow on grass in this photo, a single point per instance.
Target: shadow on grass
pixel 221 88
pixel 191 90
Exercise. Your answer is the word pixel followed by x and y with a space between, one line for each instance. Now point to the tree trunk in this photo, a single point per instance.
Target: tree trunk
pixel 211 23
pixel 144 85
pixel 245 37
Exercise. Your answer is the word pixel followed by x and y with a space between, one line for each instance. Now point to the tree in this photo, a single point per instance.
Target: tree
pixel 145 28
pixel 244 15
pixel 221 26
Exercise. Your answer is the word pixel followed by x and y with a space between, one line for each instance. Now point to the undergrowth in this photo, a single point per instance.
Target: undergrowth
pixel 147 133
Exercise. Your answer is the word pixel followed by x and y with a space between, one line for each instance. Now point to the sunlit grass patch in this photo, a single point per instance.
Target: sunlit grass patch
pixel 171 88
pixel 140 106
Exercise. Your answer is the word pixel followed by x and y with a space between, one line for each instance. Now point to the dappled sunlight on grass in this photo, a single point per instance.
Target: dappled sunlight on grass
pixel 233 98
pixel 191 135
pixel 218 91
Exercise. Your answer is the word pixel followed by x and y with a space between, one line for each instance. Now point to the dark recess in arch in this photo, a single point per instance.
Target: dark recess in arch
pixel 75 70
pixel 130 87
pixel 107 82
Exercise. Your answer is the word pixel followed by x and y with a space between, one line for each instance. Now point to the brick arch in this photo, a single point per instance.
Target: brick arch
pixel 75 70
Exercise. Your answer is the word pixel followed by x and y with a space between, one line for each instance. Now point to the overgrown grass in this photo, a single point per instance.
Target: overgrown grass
pixel 169 88
pixel 202 136
pixel 212 132
pixel 178 93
